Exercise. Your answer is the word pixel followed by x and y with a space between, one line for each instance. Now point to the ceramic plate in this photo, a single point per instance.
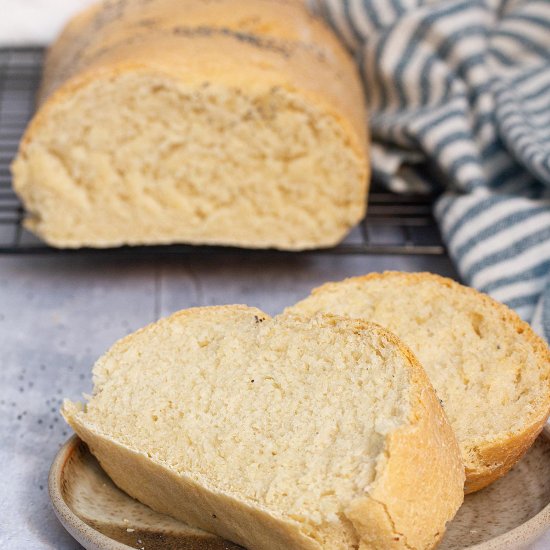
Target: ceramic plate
pixel 511 513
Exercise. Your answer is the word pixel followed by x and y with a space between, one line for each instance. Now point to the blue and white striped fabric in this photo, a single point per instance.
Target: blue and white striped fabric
pixel 459 96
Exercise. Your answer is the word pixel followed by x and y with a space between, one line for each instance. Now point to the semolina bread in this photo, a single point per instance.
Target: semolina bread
pixel 489 369
pixel 233 122
pixel 278 433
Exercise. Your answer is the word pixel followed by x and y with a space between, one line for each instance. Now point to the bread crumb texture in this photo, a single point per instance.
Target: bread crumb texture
pixel 276 433
pixel 237 123
pixel 490 371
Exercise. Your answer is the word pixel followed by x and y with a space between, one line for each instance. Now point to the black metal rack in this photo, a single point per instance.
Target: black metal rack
pixel 395 224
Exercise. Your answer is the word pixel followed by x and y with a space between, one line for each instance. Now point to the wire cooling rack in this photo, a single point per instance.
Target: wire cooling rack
pixel 395 224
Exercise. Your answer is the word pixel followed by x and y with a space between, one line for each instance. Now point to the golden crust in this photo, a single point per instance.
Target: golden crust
pixel 494 458
pixel 103 27
pixel 417 490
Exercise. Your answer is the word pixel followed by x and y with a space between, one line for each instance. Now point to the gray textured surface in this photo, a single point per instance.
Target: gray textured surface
pixel 58 314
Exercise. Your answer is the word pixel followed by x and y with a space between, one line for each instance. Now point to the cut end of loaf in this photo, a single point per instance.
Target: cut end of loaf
pixel 138 157
pixel 290 417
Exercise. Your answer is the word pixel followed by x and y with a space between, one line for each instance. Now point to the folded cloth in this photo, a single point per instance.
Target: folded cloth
pixel 459 96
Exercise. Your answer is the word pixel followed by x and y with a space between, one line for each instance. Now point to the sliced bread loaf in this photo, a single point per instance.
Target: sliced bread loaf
pixel 489 369
pixel 236 122
pixel 276 433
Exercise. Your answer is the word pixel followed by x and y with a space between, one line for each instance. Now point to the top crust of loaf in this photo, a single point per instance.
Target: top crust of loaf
pixel 486 457
pixel 103 26
pixel 418 479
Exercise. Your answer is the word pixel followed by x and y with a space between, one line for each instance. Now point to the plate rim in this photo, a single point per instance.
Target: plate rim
pixel 526 533
pixel 76 527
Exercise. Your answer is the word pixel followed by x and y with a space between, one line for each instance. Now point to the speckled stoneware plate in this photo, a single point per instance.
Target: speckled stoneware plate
pixel 510 514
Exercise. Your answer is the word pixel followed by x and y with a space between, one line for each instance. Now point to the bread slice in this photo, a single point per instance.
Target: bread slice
pixel 489 369
pixel 234 122
pixel 276 433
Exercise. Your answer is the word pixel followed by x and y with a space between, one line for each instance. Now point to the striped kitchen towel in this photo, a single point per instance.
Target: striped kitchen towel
pixel 459 96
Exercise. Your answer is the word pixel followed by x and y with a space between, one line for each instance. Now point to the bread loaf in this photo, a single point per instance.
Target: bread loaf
pixel 234 122
pixel 276 433
pixel 490 370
